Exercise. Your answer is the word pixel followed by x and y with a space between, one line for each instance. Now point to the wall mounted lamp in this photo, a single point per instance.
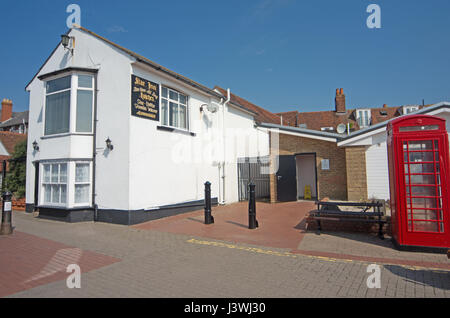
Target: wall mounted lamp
pixel 35 146
pixel 65 41
pixel 109 144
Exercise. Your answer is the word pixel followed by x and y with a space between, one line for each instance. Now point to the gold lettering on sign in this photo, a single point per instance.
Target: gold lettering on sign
pixel 145 98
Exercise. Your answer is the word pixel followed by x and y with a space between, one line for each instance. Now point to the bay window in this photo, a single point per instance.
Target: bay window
pixel 174 109
pixel 55 184
pixel 67 97
pixel 66 184
pixel 82 183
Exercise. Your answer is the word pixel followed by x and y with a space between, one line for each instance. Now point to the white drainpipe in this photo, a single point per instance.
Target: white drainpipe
pixel 224 145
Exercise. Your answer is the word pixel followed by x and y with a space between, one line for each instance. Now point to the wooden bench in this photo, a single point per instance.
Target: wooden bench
pixel 330 211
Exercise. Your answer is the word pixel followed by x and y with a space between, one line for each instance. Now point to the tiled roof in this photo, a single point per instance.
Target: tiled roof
pixel 331 118
pixel 17 119
pixel 10 140
pixel 263 115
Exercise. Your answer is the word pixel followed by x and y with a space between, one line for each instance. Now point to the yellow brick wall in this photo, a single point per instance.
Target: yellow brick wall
pixel 330 183
pixel 356 173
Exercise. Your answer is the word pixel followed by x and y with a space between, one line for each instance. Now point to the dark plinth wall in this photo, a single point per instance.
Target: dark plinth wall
pixel 122 217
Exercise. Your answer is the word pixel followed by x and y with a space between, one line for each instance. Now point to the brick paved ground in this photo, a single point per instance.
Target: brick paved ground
pixel 162 264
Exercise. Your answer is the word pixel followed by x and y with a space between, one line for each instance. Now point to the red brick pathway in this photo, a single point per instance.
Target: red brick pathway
pixel 282 225
pixel 28 261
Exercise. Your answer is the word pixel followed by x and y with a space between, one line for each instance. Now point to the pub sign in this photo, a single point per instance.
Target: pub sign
pixel 144 98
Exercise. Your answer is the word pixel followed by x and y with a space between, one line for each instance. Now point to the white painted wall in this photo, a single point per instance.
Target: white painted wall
pixel 144 170
pixel 377 171
pixel 113 119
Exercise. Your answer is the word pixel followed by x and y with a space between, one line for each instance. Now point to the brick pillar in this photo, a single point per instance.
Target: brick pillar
pixel 355 158
pixel 6 109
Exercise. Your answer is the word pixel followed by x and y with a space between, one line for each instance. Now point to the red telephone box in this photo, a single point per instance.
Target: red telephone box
pixel 418 152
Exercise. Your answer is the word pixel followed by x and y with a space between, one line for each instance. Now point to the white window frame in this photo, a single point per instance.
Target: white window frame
pixel 74 87
pixel 89 182
pixel 410 109
pixel 42 201
pixel 70 184
pixel 359 120
pixel 168 108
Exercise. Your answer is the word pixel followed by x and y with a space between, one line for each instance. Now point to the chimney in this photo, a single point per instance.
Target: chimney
pixel 340 101
pixel 6 109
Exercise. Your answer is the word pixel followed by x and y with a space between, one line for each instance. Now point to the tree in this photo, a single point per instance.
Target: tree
pixel 16 177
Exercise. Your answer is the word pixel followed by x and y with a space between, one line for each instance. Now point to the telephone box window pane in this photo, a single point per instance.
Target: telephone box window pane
pixel 421 145
pixel 423 191
pixel 419 128
pixel 420 156
pixel 441 227
pixel 423 226
pixel 421 179
pixel 421 168
pixel 436 145
pixel 425 203
pixel 425 215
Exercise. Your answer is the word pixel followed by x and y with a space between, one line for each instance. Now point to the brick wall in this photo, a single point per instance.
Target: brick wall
pixel 356 173
pixel 330 183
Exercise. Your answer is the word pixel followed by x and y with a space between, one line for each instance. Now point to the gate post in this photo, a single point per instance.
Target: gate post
pixel 209 219
pixel 252 222
pixel 6 228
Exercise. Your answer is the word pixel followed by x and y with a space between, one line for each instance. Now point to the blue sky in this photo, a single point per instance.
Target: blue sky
pixel 280 54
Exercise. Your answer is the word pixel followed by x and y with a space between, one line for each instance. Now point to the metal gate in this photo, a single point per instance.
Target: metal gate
pixel 254 170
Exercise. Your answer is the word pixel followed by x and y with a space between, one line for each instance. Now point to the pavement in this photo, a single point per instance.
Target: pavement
pixel 160 259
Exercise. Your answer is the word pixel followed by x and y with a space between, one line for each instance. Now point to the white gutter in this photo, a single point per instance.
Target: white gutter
pixel 223 201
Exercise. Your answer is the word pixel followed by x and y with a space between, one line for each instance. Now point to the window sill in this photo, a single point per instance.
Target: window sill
pixel 176 130
pixel 66 135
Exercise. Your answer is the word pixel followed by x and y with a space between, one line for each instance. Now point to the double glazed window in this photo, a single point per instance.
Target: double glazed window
pixel 66 184
pixel 66 97
pixel 174 109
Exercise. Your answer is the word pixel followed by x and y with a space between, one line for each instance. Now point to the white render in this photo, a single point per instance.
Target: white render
pixel 144 171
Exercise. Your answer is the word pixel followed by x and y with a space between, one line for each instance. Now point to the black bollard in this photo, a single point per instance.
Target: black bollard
pixel 209 219
pixel 252 222
pixel 6 228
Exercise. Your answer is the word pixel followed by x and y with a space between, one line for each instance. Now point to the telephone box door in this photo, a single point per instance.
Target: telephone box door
pixel 425 210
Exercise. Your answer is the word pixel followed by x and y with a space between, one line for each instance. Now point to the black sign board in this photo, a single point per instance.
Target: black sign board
pixel 144 98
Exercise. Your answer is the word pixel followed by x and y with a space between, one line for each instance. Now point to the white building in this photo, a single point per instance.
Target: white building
pixel 167 136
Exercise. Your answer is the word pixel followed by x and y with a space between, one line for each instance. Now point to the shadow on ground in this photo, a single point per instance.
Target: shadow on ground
pixel 434 278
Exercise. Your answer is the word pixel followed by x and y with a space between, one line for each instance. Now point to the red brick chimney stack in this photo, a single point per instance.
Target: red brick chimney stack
pixel 6 109
pixel 340 101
